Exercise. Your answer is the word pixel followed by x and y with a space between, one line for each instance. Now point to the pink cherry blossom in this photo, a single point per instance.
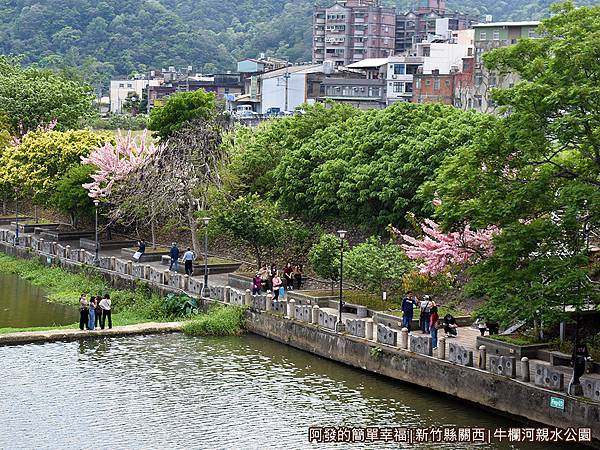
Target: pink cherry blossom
pixel 114 162
pixel 438 251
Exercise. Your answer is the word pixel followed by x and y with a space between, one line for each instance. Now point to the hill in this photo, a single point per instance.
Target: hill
pixel 110 37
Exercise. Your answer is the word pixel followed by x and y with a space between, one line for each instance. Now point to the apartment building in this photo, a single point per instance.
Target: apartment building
pixel 423 20
pixel 489 36
pixel 352 30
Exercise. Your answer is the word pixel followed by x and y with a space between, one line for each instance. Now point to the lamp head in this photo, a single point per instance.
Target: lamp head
pixel 341 234
pixel 205 220
pixel 96 202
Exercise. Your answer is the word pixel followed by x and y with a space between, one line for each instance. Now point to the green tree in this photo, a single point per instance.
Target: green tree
pixel 33 97
pixel 324 256
pixel 179 109
pixel 36 165
pixel 69 195
pixel 535 173
pixel 378 266
pixel 250 221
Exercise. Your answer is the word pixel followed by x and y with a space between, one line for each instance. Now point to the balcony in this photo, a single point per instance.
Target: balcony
pixel 359 33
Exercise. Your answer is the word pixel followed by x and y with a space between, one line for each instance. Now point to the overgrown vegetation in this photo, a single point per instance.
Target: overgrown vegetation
pixel 219 320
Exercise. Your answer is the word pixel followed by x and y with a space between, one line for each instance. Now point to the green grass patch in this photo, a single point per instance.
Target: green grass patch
pixel 129 307
pixel 219 320
pixel 514 339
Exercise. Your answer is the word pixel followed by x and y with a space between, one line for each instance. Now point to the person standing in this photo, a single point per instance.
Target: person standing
pixel 265 278
pixel 256 284
pixel 276 285
pixel 98 312
pixel 83 311
pixel 140 251
pixel 408 303
pixel 288 276
pixel 188 259
pixel 92 313
pixel 578 358
pixel 105 304
pixel 174 254
pixel 298 276
pixel 433 324
pixel 424 314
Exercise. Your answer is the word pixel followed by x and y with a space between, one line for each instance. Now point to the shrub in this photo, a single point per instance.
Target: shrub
pixel 218 321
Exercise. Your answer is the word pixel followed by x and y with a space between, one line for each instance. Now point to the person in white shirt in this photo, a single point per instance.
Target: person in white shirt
pixel 188 259
pixel 105 304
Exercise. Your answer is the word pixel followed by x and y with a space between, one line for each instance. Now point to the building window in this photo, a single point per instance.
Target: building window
pixel 436 84
pixel 427 82
pixel 532 34
pixel 399 69
pixel 447 82
pixel 496 35
pixel 483 36
pixel 121 85
pixel 426 51
pixel 398 87
pixel 408 88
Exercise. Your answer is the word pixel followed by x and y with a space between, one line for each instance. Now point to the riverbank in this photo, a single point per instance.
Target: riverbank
pixel 533 390
pixel 64 334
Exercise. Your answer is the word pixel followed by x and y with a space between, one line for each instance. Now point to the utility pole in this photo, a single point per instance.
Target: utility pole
pixel 287 82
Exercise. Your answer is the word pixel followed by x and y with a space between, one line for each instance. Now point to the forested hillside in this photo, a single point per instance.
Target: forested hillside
pixel 112 37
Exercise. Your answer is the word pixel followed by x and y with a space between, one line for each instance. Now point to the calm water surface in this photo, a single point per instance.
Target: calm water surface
pixel 24 305
pixel 174 391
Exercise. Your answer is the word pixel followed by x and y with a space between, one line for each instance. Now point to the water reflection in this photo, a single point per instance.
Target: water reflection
pixel 173 391
pixel 24 305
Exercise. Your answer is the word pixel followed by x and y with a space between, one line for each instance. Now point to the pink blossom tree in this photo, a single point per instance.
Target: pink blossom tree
pixel 114 162
pixel 439 251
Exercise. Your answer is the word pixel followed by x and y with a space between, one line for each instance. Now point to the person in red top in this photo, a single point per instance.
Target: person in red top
pixel 433 320
pixel 288 275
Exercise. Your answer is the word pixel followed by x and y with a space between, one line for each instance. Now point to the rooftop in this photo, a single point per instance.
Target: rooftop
pixel 368 63
pixel 531 23
pixel 305 68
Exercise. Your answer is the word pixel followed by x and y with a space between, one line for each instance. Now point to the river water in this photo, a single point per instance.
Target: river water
pixel 174 391
pixel 24 305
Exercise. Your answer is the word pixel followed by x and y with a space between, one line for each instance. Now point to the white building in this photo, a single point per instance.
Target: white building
pixel 289 88
pixel 120 89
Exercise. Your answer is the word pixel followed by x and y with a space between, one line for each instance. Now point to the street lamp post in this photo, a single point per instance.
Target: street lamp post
pixel 341 234
pixel 97 259
pixel 205 220
pixel 16 218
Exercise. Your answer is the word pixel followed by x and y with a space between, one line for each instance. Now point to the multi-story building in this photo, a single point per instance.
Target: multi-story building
pixel 352 30
pixel 401 71
pixel 487 37
pixel 121 89
pixel 434 88
pixel 362 85
pixel 416 25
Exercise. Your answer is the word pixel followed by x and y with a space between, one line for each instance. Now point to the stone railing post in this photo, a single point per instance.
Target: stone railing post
pixel 41 245
pixel 54 247
pixel 185 281
pixel 291 309
pixel 68 252
pixel 369 330
pixel 481 361
pixel 166 275
pixel 247 298
pixel 315 314
pixel 146 273
pixel 113 263
pixel 268 302
pixel 227 294
pixel 404 338
pixel 525 369
pixel 129 267
pixel 441 348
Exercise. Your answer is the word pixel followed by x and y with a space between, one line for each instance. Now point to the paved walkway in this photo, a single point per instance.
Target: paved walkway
pixel 28 337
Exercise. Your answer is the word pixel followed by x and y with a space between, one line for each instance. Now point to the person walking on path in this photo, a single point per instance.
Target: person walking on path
pixel 433 324
pixel 140 251
pixel 174 254
pixel 288 275
pixel 92 314
pixel 276 285
pixel 424 317
pixel 408 303
pixel 98 312
pixel 188 259
pixel 105 304
pixel 83 312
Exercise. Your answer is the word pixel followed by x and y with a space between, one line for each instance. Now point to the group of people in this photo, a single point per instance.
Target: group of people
pixel 270 279
pixel 188 259
pixel 429 319
pixel 96 310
